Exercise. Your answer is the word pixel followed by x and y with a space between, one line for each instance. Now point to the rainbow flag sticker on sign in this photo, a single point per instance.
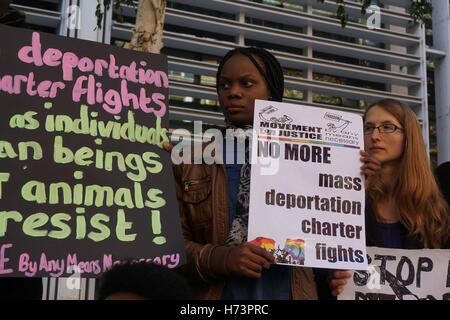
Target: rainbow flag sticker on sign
pixel 265 243
pixel 296 250
pixel 292 253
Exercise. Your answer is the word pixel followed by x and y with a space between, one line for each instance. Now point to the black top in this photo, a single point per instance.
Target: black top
pixel 392 234
pixel 374 238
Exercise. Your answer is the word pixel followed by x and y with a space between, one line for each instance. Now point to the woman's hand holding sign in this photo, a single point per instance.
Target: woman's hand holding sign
pixel 248 260
pixel 369 169
pixel 336 281
pixel 167 146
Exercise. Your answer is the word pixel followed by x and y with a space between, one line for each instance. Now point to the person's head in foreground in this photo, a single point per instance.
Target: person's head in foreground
pixel 142 281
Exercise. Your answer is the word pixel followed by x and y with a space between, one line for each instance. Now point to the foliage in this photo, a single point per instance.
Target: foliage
pixel 419 11
pixel 107 4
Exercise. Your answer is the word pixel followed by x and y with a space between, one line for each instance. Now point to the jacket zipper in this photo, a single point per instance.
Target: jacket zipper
pixel 189 183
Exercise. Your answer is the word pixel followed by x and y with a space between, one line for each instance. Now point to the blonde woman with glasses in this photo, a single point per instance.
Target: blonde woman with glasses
pixel 405 208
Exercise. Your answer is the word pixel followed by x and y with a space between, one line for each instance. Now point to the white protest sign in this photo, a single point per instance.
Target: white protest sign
pixel 306 191
pixel 400 274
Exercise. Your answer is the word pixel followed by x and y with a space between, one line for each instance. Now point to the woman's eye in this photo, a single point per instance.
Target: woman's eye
pixel 247 83
pixel 223 85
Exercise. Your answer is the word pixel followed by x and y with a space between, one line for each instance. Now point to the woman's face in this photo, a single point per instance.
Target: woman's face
pixel 240 83
pixel 385 147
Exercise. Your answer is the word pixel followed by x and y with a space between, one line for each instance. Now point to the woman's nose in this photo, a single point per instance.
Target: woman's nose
pixel 375 134
pixel 235 90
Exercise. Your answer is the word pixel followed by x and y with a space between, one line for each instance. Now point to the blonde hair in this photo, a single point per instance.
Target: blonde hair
pixel 422 208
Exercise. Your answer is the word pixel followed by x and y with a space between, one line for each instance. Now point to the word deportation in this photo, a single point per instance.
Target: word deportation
pixel 315 202
pixel 112 100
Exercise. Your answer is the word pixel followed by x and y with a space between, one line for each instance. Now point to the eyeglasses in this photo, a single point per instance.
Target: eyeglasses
pixel 384 128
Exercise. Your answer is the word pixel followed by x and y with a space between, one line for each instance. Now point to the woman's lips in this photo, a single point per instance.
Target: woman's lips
pixel 375 149
pixel 232 109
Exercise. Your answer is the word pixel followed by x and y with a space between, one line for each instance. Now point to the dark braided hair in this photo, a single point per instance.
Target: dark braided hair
pixel 273 74
pixel 148 280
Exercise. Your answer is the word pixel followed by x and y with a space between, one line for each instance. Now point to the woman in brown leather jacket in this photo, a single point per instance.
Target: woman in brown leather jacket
pixel 213 199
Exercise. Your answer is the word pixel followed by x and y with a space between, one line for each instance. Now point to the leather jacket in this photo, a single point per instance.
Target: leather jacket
pixel 202 193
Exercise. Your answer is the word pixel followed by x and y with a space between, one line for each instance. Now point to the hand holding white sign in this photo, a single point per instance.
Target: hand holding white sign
pixel 248 260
